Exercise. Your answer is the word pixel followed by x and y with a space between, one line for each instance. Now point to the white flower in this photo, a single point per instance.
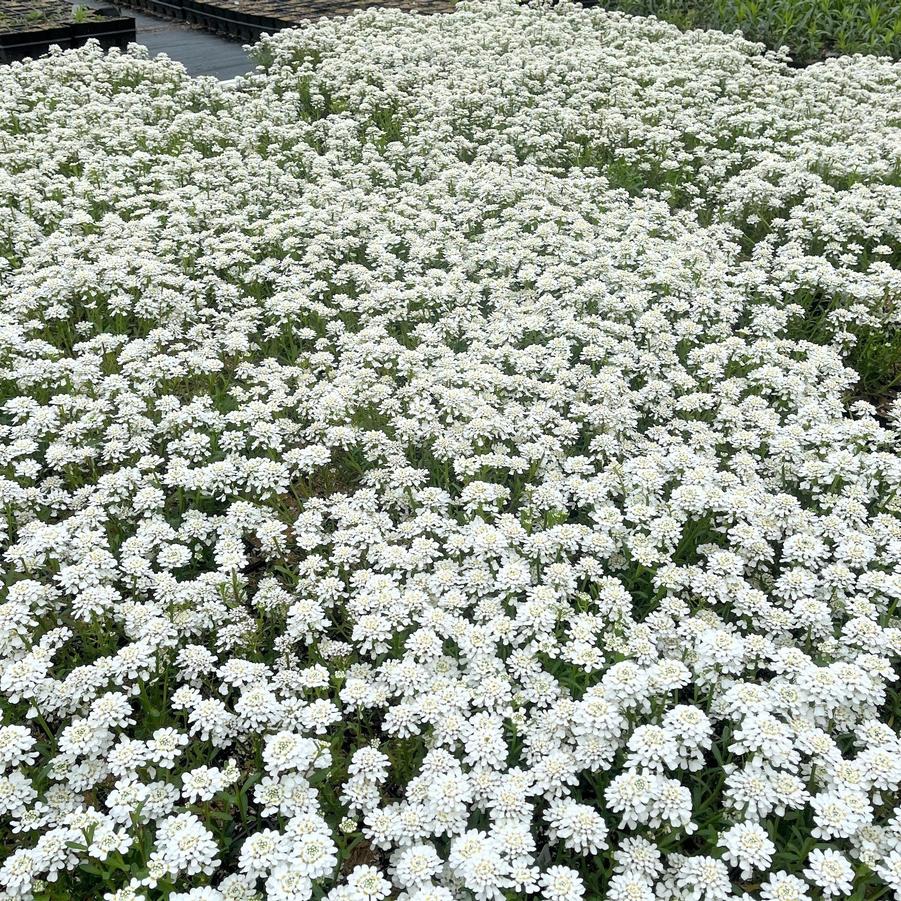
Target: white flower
pixel 581 827
pixel 748 847
pixel 561 883
pixel 783 887
pixel 286 883
pixel 829 871
pixel 16 745
pixel 416 866
pixel 183 844
pixel 261 853
pixel 202 783
pixel 288 751
pixel 889 870
pixel 314 855
pixel 629 886
pixel 702 879
pixel 366 883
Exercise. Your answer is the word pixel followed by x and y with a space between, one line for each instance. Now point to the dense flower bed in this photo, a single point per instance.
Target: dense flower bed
pixel 437 469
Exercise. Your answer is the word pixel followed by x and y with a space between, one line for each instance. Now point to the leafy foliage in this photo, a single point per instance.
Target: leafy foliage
pixel 811 29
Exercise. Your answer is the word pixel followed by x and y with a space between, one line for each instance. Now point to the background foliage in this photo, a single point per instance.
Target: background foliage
pixel 812 29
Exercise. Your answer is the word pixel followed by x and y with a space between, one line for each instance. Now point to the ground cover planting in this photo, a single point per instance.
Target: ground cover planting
pixel 459 463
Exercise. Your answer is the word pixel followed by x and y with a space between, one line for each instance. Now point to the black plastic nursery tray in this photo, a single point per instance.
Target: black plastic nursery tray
pixel 28 28
pixel 246 20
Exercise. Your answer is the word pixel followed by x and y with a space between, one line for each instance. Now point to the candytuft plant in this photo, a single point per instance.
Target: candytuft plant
pixel 458 463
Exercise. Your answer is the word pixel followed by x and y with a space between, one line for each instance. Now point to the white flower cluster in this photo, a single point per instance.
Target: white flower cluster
pixel 428 471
